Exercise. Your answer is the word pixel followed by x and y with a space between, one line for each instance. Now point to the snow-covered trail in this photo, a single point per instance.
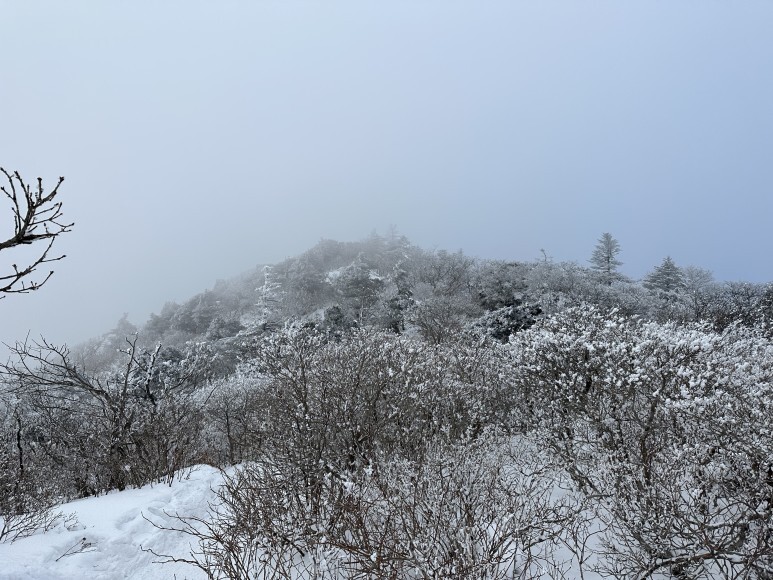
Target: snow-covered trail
pixel 106 541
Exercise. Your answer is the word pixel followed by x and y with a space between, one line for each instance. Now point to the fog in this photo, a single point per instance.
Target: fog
pixel 199 139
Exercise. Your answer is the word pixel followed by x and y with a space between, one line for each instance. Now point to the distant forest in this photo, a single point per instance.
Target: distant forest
pixel 396 412
pixel 390 284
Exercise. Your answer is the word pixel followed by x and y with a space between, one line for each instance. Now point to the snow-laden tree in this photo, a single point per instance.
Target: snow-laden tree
pixel 269 299
pixel 558 285
pixel 358 286
pixel 499 284
pixel 666 279
pixel 501 323
pixel 448 274
pixel 604 258
pixel 700 290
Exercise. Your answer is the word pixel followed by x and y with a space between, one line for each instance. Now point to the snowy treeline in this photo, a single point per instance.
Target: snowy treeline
pixel 398 413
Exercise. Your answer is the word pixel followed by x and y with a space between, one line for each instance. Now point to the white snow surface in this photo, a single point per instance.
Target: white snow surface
pixel 107 540
pixel 108 537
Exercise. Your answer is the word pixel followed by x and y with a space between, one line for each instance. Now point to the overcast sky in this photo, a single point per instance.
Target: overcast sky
pixel 199 139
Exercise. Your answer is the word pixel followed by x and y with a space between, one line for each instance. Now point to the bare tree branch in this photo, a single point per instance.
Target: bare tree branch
pixel 37 217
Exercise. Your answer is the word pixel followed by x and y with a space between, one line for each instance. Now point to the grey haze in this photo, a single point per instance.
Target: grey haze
pixel 199 139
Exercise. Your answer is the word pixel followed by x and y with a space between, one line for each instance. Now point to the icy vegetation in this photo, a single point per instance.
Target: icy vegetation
pixel 375 410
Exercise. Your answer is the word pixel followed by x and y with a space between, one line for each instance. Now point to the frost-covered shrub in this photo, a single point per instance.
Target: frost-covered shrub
pixel 626 297
pixel 557 286
pixel 742 303
pixel 499 324
pixel 129 425
pixel 26 507
pixel 498 284
pixel 447 274
pixel 473 509
pixel 330 403
pixel 481 509
pixel 667 427
pixel 234 422
pixel 441 319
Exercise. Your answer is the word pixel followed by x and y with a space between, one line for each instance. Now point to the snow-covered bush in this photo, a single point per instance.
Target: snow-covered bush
pixel 26 507
pixel 499 324
pixel 234 418
pixel 329 403
pixel 441 319
pixel 129 425
pixel 480 509
pixel 667 427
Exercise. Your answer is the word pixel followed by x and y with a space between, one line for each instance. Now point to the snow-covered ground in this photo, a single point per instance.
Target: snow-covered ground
pixel 109 537
pixel 106 537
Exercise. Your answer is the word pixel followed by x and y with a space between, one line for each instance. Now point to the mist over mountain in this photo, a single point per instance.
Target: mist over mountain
pixel 389 283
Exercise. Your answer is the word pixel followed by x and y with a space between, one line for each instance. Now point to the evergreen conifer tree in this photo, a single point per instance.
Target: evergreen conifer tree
pixel 604 258
pixel 666 278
